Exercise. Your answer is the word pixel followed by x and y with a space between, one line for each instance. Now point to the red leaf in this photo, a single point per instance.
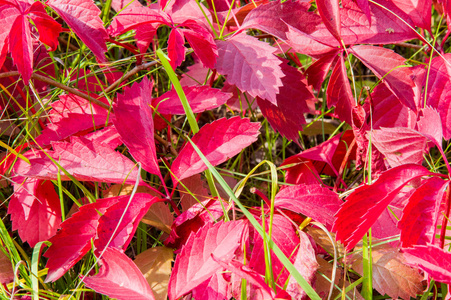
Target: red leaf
pixel 119 278
pixel 192 220
pixel 202 42
pixel 195 263
pixel 85 160
pixel 387 111
pixel 21 47
pixel 122 219
pixel 420 215
pixel 317 71
pixel 44 212
pixel 431 259
pixel 67 121
pixel 418 10
pixel 400 145
pixel 48 28
pixel 329 12
pixel 218 141
pixel 118 5
pixel 385 64
pixel 82 16
pixel 367 202
pixel 274 16
pixel 8 14
pixel 384 28
pixel 313 201
pixel 284 235
pixel 302 173
pixel 135 124
pixel 339 92
pixel 176 50
pixel 288 116
pixel 439 91
pixel 305 262
pixel 200 98
pixel 73 241
pixel 260 289
pixel 254 69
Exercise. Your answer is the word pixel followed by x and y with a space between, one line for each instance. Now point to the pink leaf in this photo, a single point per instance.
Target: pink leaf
pixel 21 47
pixel 367 202
pixel 135 124
pixel 72 123
pixel 400 145
pixel 418 10
pixel 314 201
pixel 420 215
pixel 214 288
pixel 430 125
pixel 44 213
pixel 329 12
pixel 305 262
pixel 254 69
pixel 386 65
pixel 431 259
pixel 339 92
pixel 122 219
pixel 85 160
pixel 384 28
pixel 176 50
pixel 135 18
pixel 73 241
pixel 82 16
pixel 274 16
pixel 288 116
pixel 107 136
pixel 218 141
pixel 200 98
pixel 119 278
pixel 195 262
pixel 202 42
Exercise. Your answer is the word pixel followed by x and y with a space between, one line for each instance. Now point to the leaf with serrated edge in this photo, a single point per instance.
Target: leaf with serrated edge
pixel 220 140
pixel 195 264
pixel 431 259
pixel 391 275
pixel 250 65
pixel 119 278
pixel 83 18
pixel 367 202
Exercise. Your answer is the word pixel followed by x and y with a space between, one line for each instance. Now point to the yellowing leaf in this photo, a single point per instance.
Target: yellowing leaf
pixel 159 216
pixel 156 266
pixel 391 275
